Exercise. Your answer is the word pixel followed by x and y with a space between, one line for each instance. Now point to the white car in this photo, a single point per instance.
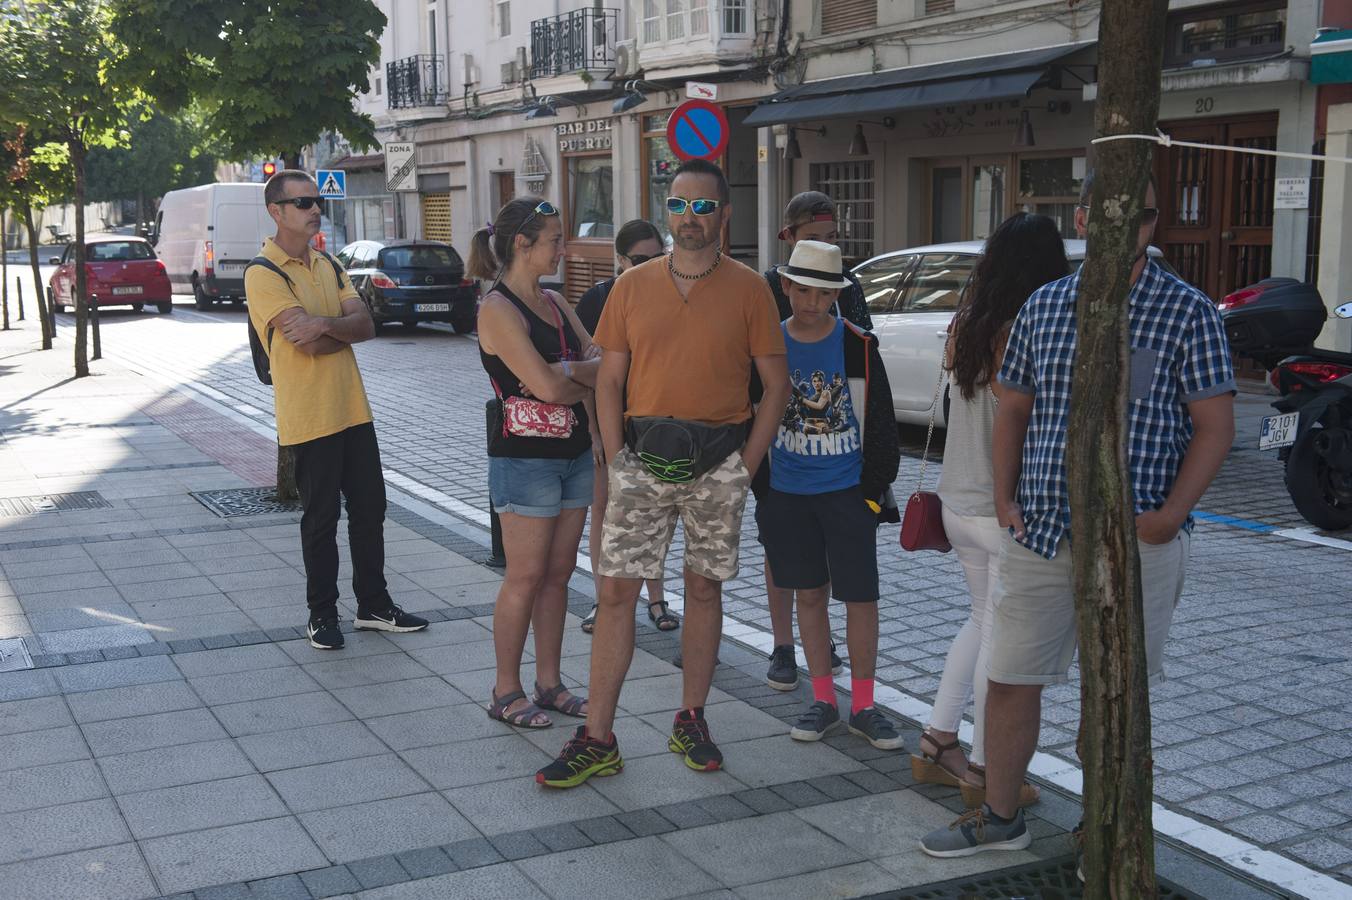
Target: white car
pixel 911 296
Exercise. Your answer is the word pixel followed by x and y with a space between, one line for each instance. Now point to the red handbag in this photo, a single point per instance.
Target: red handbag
pixel 922 523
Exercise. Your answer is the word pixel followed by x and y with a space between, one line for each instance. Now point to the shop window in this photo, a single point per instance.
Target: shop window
pixel 1050 186
pixel 660 167
pixel 850 185
pixel 842 16
pixel 591 206
pixel 1231 32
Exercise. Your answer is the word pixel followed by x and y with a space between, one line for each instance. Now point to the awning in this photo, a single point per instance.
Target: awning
pixel 1331 58
pixel 964 81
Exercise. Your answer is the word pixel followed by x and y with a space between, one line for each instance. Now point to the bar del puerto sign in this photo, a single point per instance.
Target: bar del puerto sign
pixel 577 137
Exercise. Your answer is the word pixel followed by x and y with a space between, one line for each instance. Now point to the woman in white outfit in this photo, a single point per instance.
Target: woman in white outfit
pixel 1023 254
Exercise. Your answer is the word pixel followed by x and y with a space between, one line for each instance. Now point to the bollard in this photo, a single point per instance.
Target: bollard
pixel 94 321
pixel 499 558
pixel 18 283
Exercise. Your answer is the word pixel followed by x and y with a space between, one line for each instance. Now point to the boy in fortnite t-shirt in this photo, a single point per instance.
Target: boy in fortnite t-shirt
pixel 829 467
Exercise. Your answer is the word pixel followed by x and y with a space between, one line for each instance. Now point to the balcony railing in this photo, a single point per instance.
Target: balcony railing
pixel 575 41
pixel 416 81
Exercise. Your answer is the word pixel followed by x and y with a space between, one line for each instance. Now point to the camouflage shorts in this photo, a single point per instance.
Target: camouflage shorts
pixel 641 517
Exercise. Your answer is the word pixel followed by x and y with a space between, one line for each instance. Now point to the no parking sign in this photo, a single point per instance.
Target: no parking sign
pixel 698 129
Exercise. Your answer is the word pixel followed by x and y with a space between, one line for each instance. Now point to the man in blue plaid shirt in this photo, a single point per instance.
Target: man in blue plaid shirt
pixel 1179 430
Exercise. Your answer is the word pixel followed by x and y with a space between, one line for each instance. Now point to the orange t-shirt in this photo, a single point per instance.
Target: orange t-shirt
pixel 690 358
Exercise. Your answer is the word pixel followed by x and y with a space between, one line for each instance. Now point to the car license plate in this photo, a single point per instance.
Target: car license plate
pixel 231 267
pixel 431 307
pixel 1278 431
pixel 128 289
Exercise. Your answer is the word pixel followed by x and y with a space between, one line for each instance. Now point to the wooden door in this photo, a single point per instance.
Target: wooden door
pixel 1215 223
pixel 505 189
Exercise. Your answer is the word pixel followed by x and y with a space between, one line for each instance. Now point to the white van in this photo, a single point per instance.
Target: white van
pixel 206 235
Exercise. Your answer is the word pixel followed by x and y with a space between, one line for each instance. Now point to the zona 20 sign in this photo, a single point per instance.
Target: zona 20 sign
pixel 698 129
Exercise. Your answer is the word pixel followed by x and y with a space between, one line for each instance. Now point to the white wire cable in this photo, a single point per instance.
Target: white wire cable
pixel 1159 137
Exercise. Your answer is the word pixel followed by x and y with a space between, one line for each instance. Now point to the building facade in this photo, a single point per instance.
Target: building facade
pixel 927 120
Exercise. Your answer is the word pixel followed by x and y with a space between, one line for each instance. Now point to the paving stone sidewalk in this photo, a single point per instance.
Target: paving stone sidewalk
pixel 177 737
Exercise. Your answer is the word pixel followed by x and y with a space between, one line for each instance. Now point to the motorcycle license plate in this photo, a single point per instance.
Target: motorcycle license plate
pixel 132 289
pixel 431 307
pixel 1278 431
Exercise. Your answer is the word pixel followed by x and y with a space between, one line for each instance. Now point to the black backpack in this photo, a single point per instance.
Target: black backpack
pixel 262 364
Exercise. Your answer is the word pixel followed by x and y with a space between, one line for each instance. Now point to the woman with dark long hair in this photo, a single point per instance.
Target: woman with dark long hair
pixel 1023 254
pixel 637 242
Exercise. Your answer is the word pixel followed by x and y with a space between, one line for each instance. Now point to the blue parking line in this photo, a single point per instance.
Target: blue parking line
pixel 1233 522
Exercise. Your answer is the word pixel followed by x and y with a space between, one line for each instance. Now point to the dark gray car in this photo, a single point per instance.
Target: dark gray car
pixel 412 281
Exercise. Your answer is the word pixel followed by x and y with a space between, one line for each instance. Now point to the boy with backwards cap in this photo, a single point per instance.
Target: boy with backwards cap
pixel 829 467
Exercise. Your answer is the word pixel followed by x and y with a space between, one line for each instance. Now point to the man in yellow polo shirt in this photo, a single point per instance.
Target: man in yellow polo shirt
pixel 308 316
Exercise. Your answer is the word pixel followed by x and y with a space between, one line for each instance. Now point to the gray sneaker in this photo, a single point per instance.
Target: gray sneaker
pixel 974 832
pixel 876 728
pixel 816 722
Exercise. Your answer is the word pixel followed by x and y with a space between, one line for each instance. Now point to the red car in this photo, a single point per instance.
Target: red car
pixel 120 271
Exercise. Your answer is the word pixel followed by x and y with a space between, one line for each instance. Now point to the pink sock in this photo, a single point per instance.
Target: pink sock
pixel 861 694
pixel 824 689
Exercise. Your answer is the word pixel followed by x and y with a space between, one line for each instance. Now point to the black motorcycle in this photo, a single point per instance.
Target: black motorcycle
pixel 1275 323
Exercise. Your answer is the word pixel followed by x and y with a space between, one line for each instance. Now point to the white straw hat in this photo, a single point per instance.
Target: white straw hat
pixel 815 264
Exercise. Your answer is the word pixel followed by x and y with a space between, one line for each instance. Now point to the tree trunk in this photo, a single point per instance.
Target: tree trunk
pixel 287 491
pixel 77 163
pixel 1114 739
pixel 48 322
pixel 291 160
pixel 4 271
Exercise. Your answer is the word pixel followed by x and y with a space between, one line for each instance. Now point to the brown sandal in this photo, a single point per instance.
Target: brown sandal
pixel 974 795
pixel 549 699
pixel 523 717
pixel 928 768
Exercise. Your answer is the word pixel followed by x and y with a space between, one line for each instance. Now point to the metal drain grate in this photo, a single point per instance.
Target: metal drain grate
pixel 39 503
pixel 14 655
pixel 1052 879
pixel 257 501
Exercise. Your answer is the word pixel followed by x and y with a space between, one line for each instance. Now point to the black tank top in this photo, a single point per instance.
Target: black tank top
pixel 544 336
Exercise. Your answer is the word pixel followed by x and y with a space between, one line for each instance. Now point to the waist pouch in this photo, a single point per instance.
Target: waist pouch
pixel 678 450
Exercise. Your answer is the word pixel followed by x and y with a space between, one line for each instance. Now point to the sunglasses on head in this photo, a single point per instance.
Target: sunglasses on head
pixel 543 208
pixel 702 207
pixel 303 202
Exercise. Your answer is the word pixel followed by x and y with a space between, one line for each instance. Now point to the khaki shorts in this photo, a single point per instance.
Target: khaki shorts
pixel 641 517
pixel 1035 632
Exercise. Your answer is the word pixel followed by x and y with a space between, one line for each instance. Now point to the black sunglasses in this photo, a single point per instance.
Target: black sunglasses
pixel 638 259
pixel 303 202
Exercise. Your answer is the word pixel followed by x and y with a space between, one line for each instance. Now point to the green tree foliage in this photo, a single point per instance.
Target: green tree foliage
pixel 271 75
pixel 59 63
pixel 33 173
pixel 159 153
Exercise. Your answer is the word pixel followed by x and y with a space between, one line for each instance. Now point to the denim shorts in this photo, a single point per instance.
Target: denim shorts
pixel 540 487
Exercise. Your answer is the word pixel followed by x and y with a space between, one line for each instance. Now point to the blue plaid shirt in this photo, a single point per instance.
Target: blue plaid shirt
pixel 1179 355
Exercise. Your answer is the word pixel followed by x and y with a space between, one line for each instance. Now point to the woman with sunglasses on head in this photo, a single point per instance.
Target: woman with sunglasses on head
pixel 539 359
pixel 1024 253
pixel 637 241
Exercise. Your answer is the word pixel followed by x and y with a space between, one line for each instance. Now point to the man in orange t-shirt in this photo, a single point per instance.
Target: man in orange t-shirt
pixel 680 333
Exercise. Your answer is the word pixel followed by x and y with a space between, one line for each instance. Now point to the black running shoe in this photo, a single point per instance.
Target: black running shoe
pixel 392 619
pixel 690 738
pixel 582 757
pixel 837 664
pixel 783 674
pixel 324 633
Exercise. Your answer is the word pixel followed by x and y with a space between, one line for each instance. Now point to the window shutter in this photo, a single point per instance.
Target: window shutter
pixel 842 16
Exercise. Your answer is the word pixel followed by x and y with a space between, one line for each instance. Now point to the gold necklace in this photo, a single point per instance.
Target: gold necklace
pixel 671 267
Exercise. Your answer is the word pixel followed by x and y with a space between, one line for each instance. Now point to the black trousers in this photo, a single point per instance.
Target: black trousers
pixel 329 469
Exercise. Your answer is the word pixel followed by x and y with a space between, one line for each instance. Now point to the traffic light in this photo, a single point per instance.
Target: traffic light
pixel 269 169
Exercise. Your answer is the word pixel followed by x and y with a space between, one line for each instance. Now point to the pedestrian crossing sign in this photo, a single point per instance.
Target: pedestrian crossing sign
pixel 332 183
